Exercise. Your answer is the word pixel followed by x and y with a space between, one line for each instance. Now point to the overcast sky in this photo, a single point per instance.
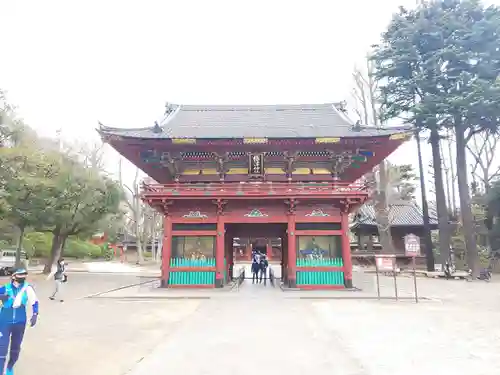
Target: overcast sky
pixel 68 64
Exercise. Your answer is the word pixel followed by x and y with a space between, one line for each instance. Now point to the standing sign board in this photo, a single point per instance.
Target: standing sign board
pixel 385 264
pixel 412 245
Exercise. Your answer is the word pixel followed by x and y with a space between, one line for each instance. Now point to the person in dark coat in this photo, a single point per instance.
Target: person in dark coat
pixel 255 266
pixel 263 265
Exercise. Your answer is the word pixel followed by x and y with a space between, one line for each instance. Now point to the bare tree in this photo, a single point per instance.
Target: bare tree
pixel 484 170
pixel 364 93
pixel 144 222
pixel 136 209
pixel 482 149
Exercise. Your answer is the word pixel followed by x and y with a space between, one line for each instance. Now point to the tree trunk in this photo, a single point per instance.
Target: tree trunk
pixel 446 170
pixel 382 211
pixel 19 249
pixel 465 202
pixel 442 211
pixel 140 256
pixel 145 241
pixel 63 246
pixel 453 208
pixel 55 251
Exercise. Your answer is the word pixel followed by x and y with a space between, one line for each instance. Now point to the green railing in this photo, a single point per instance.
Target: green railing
pixel 198 277
pixel 320 277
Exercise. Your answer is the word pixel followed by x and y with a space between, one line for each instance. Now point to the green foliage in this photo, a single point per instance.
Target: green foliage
pixel 29 188
pixel 492 200
pixel 85 198
pixel 113 226
pixel 37 244
pixel 56 193
pixel 401 182
pixel 107 252
pixel 438 65
pixel 82 249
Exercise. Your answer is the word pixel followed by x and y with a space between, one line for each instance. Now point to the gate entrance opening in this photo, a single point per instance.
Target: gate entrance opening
pixel 267 238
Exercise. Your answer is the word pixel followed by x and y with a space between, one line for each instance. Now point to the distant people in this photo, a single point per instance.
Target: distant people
pixel 15 297
pixel 60 277
pixel 255 266
pixel 263 265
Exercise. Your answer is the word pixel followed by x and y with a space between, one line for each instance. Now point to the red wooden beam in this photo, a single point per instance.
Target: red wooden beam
pixel 319 219
pixel 261 191
pixel 291 251
pixel 278 219
pixel 194 233
pixel 346 252
pixel 319 232
pixel 188 220
pixel 166 250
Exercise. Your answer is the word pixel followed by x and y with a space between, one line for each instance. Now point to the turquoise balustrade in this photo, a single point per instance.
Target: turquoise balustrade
pixel 320 277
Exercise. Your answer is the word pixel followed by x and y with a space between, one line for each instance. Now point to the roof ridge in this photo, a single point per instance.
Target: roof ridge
pixel 257 107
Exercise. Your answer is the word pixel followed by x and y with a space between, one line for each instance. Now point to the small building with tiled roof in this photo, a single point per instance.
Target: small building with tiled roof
pixel 405 217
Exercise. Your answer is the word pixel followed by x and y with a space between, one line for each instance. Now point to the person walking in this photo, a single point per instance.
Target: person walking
pixel 263 264
pixel 60 277
pixel 15 297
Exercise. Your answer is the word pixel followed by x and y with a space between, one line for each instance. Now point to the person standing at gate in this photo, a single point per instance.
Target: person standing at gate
pixel 255 267
pixel 263 265
pixel 15 297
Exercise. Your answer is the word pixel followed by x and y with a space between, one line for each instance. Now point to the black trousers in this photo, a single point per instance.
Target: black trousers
pixel 11 334
pixel 255 277
pixel 263 273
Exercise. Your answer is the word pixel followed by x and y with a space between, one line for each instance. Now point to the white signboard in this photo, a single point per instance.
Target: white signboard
pixel 385 264
pixel 412 245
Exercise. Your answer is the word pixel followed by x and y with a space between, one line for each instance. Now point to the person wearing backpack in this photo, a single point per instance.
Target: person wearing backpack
pixel 264 264
pixel 15 297
pixel 60 277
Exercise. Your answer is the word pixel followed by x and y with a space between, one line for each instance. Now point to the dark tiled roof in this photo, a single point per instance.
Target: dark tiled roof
pixel 270 121
pixel 400 214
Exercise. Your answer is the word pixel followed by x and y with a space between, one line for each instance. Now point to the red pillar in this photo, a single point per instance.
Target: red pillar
pixel 219 253
pixel 166 250
pixel 346 251
pixel 269 249
pixel 292 252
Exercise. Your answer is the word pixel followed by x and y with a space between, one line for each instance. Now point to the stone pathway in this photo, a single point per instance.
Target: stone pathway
pixel 261 328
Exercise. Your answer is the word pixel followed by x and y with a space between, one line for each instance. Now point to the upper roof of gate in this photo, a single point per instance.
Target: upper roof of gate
pixel 253 121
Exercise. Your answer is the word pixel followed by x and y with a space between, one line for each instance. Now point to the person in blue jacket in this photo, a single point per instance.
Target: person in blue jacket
pixel 15 297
